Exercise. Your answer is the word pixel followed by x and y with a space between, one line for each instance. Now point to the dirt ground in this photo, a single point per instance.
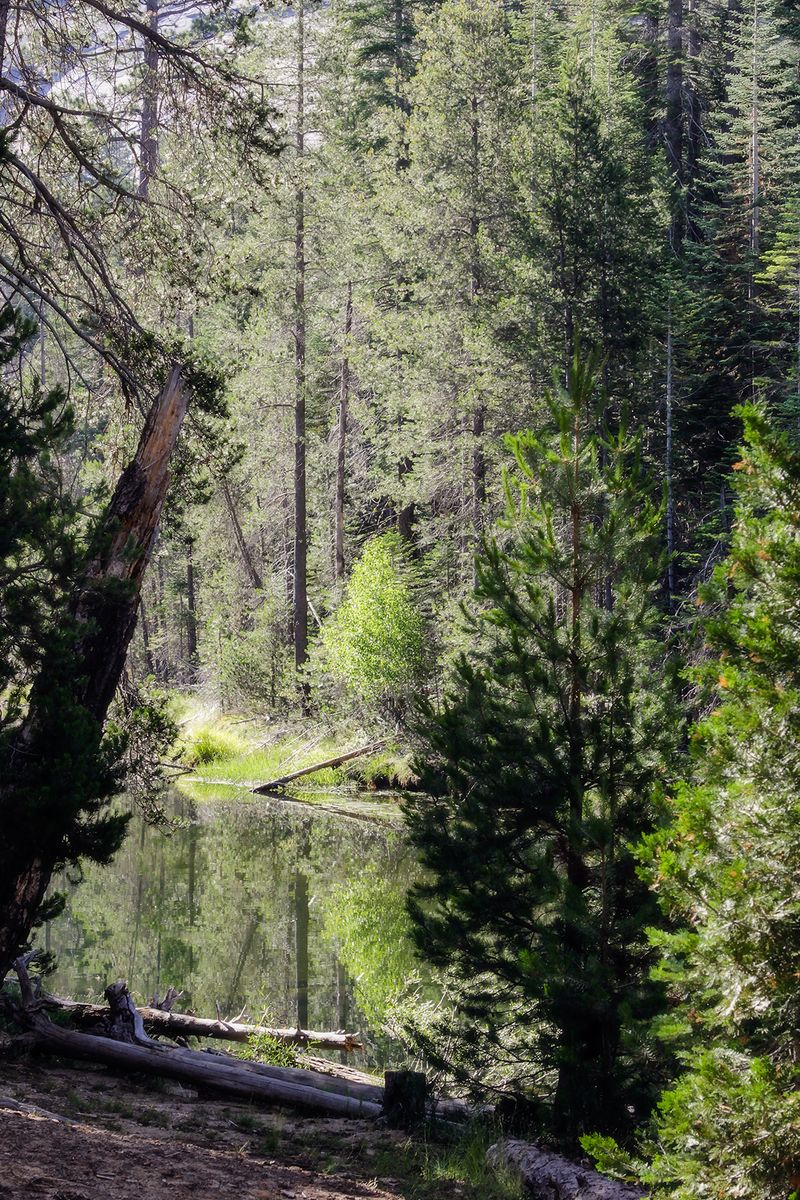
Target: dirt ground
pixel 102 1135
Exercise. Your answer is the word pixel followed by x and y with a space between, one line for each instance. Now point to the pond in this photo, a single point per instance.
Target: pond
pixel 290 911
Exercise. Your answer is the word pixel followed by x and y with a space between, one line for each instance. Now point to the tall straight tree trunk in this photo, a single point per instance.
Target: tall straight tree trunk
pixel 669 469
pixel 341 439
pixel 191 609
pixel 673 125
pixel 300 593
pixel 5 8
pixel 103 608
pixel 148 141
pixel 570 1037
pixel 479 415
pixel 148 653
pixel 694 131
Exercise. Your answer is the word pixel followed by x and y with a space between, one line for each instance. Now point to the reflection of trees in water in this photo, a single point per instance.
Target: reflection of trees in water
pixel 231 908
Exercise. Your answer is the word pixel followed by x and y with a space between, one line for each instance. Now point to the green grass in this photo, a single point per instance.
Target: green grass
pixel 223 750
pixel 259 765
pixel 426 1168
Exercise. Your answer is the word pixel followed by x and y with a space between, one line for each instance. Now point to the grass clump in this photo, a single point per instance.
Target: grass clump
pixel 211 743
pixel 461 1164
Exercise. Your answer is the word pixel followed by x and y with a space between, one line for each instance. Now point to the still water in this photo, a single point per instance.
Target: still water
pixel 242 906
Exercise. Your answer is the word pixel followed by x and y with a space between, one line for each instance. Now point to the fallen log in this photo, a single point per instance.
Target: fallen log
pixel 157 1020
pixel 218 1073
pixel 548 1176
pixel 275 784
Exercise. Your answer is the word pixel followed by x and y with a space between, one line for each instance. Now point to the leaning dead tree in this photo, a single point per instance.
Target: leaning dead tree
pixel 75 689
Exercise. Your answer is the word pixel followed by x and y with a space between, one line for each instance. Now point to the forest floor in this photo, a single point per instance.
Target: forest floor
pixel 101 1134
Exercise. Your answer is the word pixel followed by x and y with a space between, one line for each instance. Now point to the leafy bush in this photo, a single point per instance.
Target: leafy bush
pixel 375 642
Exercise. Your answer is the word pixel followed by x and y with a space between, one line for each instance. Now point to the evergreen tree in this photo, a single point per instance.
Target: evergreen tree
pixel 728 866
pixel 52 795
pixel 541 768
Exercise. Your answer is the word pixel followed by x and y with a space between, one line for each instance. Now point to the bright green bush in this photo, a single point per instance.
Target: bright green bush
pixel 374 642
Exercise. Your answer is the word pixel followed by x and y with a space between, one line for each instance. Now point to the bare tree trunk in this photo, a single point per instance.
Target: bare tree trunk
pixel 300 593
pixel 5 6
pixel 694 130
pixel 668 471
pixel 548 1176
pixel 104 608
pixel 673 125
pixel 191 609
pixel 479 415
pixel 149 665
pixel 247 558
pixel 341 439
pixel 148 144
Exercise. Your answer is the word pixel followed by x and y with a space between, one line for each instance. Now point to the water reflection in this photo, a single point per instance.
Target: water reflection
pixel 236 908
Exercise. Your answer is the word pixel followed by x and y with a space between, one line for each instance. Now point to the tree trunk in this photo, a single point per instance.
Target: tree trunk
pixel 301 916
pixel 275 784
pixel 669 471
pixel 548 1176
pixel 300 594
pixel 191 611
pixel 104 608
pixel 173 1024
pixel 247 558
pixel 148 142
pixel 694 123
pixel 341 439
pixel 673 125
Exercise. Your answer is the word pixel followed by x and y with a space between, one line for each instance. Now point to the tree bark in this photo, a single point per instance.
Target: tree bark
pixel 191 610
pixel 341 440
pixel 148 143
pixel 104 608
pixel 548 1176
pixel 300 593
pixel 174 1024
pixel 247 558
pixel 673 125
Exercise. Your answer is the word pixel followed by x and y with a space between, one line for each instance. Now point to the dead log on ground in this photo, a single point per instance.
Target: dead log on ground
pixel 218 1073
pixel 156 1020
pixel 275 784
pixel 548 1176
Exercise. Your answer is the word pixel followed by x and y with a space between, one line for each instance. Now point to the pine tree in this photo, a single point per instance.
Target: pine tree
pixel 541 769
pixel 728 865
pixel 55 790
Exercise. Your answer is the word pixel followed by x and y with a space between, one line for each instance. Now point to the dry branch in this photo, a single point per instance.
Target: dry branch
pixel 275 784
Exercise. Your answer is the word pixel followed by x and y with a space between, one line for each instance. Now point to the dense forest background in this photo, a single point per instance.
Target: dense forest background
pixel 465 189
pixel 490 314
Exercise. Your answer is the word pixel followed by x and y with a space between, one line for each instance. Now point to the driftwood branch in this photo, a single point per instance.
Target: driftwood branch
pixel 156 1020
pixel 274 784
pixel 548 1176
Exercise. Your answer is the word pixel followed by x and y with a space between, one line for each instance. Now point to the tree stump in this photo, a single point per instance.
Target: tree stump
pixel 404 1098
